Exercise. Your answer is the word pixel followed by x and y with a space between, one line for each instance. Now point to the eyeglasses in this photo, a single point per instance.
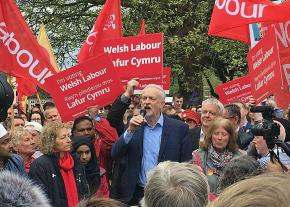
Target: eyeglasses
pixel 203 112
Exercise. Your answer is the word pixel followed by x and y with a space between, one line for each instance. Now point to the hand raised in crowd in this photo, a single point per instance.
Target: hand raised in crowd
pixel 135 123
pixel 93 112
pixel 261 145
pixel 133 83
pixel 251 101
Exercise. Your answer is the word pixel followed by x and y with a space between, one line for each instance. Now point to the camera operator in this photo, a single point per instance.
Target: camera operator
pixel 259 148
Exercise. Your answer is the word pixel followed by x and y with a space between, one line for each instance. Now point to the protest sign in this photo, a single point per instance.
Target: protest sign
pixel 137 56
pixel 161 80
pixel 282 99
pixel 282 33
pixel 264 67
pixel 91 83
pixel 238 89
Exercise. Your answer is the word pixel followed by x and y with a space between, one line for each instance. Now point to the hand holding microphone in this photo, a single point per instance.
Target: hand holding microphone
pixel 136 121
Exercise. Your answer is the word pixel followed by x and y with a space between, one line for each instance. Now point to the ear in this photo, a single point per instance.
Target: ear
pixel 15 148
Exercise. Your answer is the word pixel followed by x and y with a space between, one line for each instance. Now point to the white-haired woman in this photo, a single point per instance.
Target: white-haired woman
pixel 58 171
pixel 24 145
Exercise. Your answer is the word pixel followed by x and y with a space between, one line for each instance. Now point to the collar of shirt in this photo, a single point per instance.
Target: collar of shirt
pixel 159 122
pixel 201 132
pixel 201 135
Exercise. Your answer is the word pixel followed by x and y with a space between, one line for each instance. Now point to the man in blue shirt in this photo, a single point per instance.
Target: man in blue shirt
pixel 148 141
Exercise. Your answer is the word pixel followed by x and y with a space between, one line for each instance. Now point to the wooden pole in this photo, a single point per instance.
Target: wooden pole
pixel 39 100
pixel 12 117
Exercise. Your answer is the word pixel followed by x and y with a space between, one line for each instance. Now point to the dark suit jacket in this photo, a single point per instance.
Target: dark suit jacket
pixel 243 140
pixel 193 139
pixel 172 147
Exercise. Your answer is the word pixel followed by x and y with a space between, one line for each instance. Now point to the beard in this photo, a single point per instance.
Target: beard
pixel 5 156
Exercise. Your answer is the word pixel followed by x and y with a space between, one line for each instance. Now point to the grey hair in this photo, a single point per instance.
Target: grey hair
pixel 233 110
pixel 17 134
pixel 215 102
pixel 19 191
pixel 159 88
pixel 176 184
pixel 267 190
pixel 239 168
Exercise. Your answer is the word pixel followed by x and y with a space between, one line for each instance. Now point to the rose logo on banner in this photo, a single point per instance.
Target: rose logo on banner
pixel 91 37
pixel 111 22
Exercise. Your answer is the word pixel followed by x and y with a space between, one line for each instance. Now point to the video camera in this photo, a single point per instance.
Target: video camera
pixel 269 129
pixel 6 97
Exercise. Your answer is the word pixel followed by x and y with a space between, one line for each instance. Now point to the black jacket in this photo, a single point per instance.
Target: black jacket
pixel 173 146
pixel 193 138
pixel 46 172
pixel 115 118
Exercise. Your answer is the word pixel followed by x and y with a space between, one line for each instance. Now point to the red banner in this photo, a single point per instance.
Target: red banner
pixel 91 83
pixel 238 89
pixel 161 80
pixel 108 25
pixel 264 67
pixel 282 33
pixel 21 55
pixel 137 56
pixel 166 79
pixel 282 99
pixel 230 18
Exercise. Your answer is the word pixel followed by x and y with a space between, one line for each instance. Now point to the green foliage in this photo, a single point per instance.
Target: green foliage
pixel 188 50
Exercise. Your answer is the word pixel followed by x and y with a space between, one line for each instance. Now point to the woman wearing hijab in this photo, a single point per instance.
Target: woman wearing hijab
pixel 58 171
pixel 83 146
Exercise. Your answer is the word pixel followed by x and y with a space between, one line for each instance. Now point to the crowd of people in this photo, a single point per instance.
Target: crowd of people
pixel 144 152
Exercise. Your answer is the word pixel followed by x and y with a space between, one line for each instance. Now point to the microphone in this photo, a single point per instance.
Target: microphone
pixel 143 112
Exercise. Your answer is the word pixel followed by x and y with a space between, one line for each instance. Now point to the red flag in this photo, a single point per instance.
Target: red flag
pixel 142 30
pixel 25 87
pixel 21 55
pixel 230 18
pixel 108 25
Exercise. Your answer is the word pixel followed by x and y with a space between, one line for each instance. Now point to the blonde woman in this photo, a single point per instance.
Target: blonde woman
pixel 58 171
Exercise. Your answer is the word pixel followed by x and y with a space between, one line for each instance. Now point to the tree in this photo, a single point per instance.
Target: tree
pixel 188 50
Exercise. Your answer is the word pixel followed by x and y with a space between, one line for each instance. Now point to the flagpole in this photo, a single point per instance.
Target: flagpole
pixel 12 117
pixel 39 100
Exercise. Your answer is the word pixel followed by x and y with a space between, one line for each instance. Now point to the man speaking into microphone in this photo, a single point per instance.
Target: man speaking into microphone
pixel 149 140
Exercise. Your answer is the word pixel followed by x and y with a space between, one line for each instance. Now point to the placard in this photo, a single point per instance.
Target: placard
pixel 161 80
pixel 91 83
pixel 136 56
pixel 238 89
pixel 264 67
